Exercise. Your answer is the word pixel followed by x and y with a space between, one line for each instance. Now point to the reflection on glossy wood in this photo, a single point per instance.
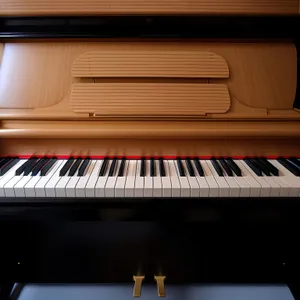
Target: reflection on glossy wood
pixel 152 146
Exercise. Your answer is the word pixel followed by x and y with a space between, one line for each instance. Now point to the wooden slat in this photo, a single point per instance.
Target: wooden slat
pixel 150 64
pixel 149 99
pixel 93 7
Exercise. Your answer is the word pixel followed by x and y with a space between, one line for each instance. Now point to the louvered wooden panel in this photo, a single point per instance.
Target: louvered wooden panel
pixel 150 64
pixel 69 7
pixel 149 99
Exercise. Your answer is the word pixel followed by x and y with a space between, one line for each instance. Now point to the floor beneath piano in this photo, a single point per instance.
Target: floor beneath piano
pixel 186 292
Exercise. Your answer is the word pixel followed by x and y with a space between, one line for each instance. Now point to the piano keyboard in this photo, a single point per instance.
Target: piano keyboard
pixel 188 177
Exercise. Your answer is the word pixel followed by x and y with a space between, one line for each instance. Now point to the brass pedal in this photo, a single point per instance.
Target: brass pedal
pixel 160 281
pixel 137 289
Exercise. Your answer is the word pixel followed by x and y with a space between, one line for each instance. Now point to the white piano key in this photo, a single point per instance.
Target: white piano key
pixel 234 188
pixel 203 185
pixel 195 189
pixel 60 188
pixel 157 185
pixel 245 188
pixel 80 187
pixel 284 188
pixel 121 181
pixel 176 188
pixel 224 187
pixel 130 181
pixel 91 183
pixel 139 182
pixel 100 185
pixel 50 185
pixel 265 186
pixel 214 189
pixel 275 187
pixel 40 186
pixel 8 176
pixel 19 188
pixel 9 186
pixel 185 190
pixel 292 180
pixel 148 181
pixel 166 181
pixel 29 187
pixel 71 185
pixel 109 188
pixel 255 187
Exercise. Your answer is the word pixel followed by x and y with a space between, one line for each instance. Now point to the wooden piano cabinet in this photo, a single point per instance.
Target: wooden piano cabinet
pixel 149 98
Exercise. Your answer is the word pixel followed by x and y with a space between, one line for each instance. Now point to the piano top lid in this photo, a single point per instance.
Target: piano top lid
pixel 142 7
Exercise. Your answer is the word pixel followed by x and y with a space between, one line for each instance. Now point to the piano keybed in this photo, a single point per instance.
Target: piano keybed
pixel 189 177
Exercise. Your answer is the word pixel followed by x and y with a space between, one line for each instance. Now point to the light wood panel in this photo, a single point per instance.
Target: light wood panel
pixel 263 76
pixel 93 7
pixel 150 64
pixel 149 99
pixel 34 76
pixel 158 129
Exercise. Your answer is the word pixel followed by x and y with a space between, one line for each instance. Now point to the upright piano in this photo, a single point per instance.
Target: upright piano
pixel 149 138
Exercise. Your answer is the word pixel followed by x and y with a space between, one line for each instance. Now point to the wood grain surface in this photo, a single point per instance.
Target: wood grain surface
pixel 182 64
pixel 96 7
pixel 150 99
pixel 263 76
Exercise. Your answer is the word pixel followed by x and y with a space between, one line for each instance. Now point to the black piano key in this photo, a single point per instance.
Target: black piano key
pixel 143 168
pixel 295 161
pixel 152 167
pixel 4 169
pixel 4 161
pixel 83 166
pixel 217 166
pixel 253 167
pixel 41 163
pixel 189 167
pixel 272 169
pixel 122 167
pixel 234 167
pixel 226 167
pixel 66 166
pixel 162 170
pixel 198 167
pixel 75 167
pixel 288 165
pixel 21 169
pixel 180 167
pixel 30 166
pixel 48 166
pixel 261 166
pixel 113 166
pixel 104 166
